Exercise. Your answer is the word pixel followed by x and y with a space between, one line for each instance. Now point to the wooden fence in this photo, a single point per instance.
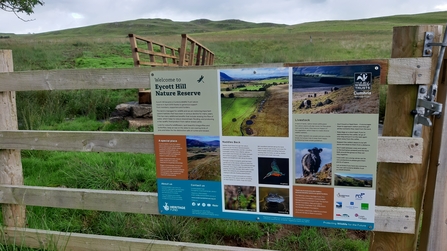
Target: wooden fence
pixel 401 175
pixel 190 53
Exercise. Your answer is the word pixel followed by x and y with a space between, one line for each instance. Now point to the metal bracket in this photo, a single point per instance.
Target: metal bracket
pixel 424 109
pixel 428 43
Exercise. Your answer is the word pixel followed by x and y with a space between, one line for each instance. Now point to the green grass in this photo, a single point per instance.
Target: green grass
pixel 238 109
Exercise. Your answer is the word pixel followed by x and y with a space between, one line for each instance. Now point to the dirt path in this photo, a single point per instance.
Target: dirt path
pixel 273 118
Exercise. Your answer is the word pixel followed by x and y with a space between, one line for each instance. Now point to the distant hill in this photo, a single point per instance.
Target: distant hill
pixel 158 26
pixel 198 143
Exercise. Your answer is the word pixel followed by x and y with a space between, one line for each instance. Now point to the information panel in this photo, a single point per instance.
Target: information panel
pixel 291 145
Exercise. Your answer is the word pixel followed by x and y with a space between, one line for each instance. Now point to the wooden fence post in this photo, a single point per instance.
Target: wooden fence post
pixel 403 185
pixel 434 220
pixel 10 162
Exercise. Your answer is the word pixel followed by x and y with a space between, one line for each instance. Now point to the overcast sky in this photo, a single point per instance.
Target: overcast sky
pixel 66 14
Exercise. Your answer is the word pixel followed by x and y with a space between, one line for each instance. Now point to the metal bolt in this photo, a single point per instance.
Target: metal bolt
pixel 429 36
pixel 427 51
pixel 417 133
pixel 422 90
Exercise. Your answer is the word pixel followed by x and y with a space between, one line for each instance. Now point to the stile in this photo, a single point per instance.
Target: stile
pixel 404 184
pixel 10 160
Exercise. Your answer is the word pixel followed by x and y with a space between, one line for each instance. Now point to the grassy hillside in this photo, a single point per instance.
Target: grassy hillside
pixel 233 41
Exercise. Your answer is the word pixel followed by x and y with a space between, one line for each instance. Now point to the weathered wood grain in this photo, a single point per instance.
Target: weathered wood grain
pixel 405 71
pixel 390 149
pixel 395 220
pixel 10 160
pixel 87 79
pixel 400 150
pixel 136 142
pixel 398 220
pixel 52 240
pixel 100 200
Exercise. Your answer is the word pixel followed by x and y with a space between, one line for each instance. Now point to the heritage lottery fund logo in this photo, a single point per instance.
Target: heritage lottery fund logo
pixel 362 83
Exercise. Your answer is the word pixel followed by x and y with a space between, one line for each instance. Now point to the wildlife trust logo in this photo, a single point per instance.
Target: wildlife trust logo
pixel 362 83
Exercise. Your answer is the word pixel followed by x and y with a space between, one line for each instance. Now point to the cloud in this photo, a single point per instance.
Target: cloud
pixel 441 7
pixel 65 14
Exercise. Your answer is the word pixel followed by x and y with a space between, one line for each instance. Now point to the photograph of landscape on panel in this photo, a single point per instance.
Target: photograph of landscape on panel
pixel 336 89
pixel 203 157
pixel 255 102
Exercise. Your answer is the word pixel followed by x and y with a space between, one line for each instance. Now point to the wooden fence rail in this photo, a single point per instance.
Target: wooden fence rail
pixel 190 53
pixel 396 219
pixel 155 58
pixel 189 56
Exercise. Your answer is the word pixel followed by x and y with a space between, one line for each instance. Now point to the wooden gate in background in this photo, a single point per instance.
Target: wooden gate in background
pixel 402 172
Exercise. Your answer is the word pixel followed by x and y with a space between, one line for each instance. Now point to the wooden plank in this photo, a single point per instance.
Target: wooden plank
pixel 150 51
pixel 403 185
pixel 76 79
pixel 153 53
pixel 117 78
pixel 158 64
pixel 390 149
pixel 192 48
pixel 182 51
pixel 404 71
pixel 52 240
pixel 400 150
pixel 10 160
pixel 434 222
pixel 199 53
pixel 399 220
pixel 134 47
pixel 151 41
pixel 165 55
pixel 86 199
pixel 136 142
pixel 395 220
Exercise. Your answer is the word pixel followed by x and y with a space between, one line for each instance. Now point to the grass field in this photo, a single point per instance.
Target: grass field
pixel 234 112
pixel 233 42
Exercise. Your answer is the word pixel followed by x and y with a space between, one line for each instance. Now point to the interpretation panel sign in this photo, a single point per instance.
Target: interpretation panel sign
pixel 291 145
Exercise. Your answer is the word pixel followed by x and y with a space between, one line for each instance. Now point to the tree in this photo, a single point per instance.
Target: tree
pixel 20 6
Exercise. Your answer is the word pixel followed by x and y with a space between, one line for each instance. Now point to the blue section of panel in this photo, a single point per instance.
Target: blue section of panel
pixel 197 198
